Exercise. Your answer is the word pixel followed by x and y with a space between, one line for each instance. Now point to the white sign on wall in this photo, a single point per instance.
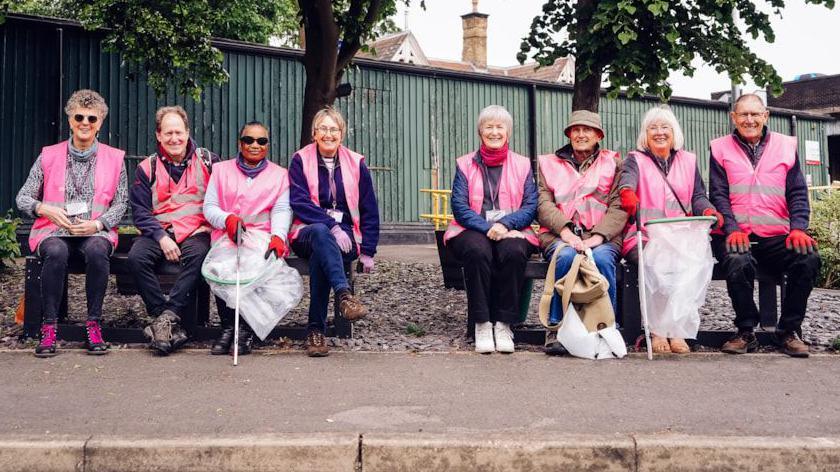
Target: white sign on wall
pixel 812 153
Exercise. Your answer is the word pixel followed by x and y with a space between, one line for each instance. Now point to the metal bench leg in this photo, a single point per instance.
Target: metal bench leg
pixel 631 315
pixel 32 299
pixel 767 307
pixel 470 321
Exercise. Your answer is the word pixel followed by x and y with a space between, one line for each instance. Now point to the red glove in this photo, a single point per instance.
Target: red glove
pixel 738 242
pixel 231 222
pixel 799 242
pixel 629 201
pixel 277 247
pixel 716 214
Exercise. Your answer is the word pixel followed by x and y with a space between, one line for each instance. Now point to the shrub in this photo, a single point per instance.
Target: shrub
pixel 9 247
pixel 825 226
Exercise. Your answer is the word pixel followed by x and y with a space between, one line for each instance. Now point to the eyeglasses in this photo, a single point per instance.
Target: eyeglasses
pixel 755 116
pixel 80 118
pixel 658 128
pixel 325 130
pixel 250 140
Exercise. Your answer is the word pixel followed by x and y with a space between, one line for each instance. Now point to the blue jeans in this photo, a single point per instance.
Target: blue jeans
pixel 605 255
pixel 326 270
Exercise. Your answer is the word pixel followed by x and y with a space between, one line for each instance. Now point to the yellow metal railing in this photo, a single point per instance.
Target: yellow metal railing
pixel 440 215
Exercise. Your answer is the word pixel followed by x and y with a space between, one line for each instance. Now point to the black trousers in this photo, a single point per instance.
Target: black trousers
pixel 55 252
pixel 494 273
pixel 146 254
pixel 771 254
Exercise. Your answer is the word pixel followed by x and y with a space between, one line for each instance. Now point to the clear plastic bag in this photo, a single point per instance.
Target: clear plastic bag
pixel 269 288
pixel 678 267
pixel 605 343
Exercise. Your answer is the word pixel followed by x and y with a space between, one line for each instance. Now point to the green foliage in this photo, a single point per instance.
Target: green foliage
pixel 127 230
pixel 825 227
pixel 637 43
pixel 836 344
pixel 9 247
pixel 414 329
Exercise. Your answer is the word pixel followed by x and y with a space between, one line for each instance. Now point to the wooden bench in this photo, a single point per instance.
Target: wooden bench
pixel 194 319
pixel 629 314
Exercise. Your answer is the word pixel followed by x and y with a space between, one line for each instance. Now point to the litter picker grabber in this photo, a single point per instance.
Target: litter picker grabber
pixel 641 279
pixel 239 230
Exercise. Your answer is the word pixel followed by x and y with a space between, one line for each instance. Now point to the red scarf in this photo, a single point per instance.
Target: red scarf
pixel 493 157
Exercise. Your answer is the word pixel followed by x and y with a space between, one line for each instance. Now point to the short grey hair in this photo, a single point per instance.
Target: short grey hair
pixel 749 96
pixel 495 113
pixel 656 114
pixel 332 113
pixel 177 110
pixel 86 98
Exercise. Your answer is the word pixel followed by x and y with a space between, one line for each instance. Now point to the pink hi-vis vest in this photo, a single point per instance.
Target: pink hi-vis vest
pixel 179 205
pixel 106 179
pixel 656 200
pixel 515 170
pixel 350 163
pixel 757 194
pixel 251 202
pixel 582 195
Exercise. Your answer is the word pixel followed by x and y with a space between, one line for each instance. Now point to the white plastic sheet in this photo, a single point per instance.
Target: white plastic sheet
pixel 269 288
pixel 678 267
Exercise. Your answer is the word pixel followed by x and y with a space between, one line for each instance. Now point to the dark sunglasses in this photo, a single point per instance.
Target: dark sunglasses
pixel 91 118
pixel 250 140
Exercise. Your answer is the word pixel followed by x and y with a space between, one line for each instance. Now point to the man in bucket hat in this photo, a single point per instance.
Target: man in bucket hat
pixel 579 207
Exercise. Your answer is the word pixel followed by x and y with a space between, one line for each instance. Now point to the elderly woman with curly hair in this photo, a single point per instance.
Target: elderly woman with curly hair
pixel 77 192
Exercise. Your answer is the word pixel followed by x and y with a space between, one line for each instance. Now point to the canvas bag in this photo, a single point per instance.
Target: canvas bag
pixel 588 326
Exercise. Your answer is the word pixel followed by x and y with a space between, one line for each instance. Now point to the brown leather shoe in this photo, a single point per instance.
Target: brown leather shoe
pixel 316 344
pixel 791 345
pixel 741 343
pixel 351 308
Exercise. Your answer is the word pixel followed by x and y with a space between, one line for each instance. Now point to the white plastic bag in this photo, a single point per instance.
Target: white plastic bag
pixel 606 343
pixel 678 267
pixel 269 288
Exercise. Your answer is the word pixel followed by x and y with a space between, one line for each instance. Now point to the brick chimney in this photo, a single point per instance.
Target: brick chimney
pixel 475 37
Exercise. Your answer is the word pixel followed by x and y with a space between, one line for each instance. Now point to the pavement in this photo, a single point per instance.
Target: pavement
pixel 280 410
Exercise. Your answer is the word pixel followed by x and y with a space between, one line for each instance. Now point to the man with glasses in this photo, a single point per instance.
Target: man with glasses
pixel 756 182
pixel 166 201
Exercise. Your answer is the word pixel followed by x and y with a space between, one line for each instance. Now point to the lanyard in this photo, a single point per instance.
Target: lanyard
pixel 76 187
pixel 493 197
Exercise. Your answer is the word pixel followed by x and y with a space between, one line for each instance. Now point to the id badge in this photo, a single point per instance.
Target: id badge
pixel 493 216
pixel 338 216
pixel 76 208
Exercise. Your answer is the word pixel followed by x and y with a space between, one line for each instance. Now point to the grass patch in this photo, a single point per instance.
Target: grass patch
pixel 414 329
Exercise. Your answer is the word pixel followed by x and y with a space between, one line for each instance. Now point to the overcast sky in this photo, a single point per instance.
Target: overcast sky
pixel 807 38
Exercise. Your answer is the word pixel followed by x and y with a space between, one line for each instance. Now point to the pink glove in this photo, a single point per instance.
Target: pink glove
pixel 367 263
pixel 342 239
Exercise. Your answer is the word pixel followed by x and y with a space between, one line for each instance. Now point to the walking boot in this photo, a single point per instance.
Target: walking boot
pixel 316 344
pixel 742 343
pixel 224 342
pixel 246 340
pixel 179 338
pixel 553 347
pixel 95 344
pixel 790 344
pixel 350 306
pixel 160 332
pixel 46 348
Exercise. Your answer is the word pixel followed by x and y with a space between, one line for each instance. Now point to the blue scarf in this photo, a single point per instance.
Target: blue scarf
pixel 250 172
pixel 79 155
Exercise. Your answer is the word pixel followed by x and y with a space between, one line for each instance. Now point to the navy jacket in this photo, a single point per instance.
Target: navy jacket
pixel 309 213
pixel 796 190
pixel 469 219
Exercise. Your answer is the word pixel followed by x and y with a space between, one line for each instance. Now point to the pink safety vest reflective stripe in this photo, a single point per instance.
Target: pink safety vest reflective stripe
pixel 511 190
pixel 656 200
pixel 350 163
pixel 252 203
pixel 757 194
pixel 180 205
pixel 106 179
pixel 581 198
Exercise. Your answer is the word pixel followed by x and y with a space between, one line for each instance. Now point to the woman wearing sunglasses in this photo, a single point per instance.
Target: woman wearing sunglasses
pixel 336 220
pixel 252 192
pixel 77 192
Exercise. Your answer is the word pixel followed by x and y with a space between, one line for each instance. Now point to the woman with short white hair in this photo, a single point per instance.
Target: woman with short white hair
pixel 494 201
pixel 661 180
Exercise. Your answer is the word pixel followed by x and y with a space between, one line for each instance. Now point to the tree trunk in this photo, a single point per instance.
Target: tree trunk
pixel 318 93
pixel 319 61
pixel 587 92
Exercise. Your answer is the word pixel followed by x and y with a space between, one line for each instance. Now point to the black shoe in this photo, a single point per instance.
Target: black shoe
pixel 179 338
pixel 246 341
pixel 223 343
pixel 160 332
pixel 46 348
pixel 553 347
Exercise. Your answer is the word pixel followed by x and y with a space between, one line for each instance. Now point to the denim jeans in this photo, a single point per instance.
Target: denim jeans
pixel 606 257
pixel 326 270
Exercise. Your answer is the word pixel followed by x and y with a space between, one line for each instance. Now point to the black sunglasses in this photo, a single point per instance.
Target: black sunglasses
pixel 91 118
pixel 250 140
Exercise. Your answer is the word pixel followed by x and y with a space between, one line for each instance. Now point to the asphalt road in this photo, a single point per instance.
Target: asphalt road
pixel 130 393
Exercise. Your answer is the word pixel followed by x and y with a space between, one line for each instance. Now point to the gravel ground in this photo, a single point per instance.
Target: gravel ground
pixel 410 311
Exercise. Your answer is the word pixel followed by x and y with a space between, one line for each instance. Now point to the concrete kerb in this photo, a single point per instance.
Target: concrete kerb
pixel 424 451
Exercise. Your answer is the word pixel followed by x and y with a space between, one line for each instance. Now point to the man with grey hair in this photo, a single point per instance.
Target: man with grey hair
pixel 166 201
pixel 757 184
pixel 579 207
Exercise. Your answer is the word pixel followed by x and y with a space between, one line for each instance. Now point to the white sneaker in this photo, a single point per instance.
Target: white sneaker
pixel 484 338
pixel 504 337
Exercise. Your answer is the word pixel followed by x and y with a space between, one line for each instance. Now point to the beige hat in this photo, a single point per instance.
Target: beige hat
pixel 584 118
